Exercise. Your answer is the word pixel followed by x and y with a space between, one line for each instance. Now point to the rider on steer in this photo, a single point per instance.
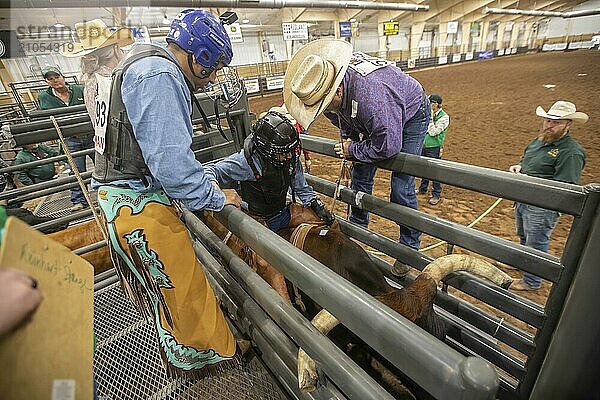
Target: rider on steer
pixel 267 169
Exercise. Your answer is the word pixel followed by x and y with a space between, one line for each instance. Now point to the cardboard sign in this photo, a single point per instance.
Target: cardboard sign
pixel 443 60
pixel 51 356
pixel 455 58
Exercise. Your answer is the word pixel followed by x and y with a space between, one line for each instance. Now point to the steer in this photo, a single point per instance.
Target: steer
pixel 349 260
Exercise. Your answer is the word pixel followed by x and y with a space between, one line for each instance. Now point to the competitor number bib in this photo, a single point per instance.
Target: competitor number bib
pixel 102 103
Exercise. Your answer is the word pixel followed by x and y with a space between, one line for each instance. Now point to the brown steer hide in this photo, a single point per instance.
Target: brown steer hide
pixel 78 236
pixel 273 277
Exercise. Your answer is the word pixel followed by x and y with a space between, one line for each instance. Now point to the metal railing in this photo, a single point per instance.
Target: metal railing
pixel 581 202
pixel 434 366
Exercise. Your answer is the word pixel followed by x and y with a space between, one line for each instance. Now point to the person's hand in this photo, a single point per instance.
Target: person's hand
pixel 341 149
pixel 19 298
pixel 441 152
pixel 515 169
pixel 232 197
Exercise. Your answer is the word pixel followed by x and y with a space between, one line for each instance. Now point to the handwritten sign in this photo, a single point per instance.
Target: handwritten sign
pixel 52 354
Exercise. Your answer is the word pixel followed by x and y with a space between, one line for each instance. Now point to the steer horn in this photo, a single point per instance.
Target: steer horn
pixel 307 369
pixel 445 265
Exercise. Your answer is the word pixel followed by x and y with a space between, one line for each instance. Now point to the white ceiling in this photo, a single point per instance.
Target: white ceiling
pixel 136 16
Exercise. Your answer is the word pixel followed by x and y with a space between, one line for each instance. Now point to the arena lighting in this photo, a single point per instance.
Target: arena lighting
pixel 516 11
pixel 245 21
pixel 346 4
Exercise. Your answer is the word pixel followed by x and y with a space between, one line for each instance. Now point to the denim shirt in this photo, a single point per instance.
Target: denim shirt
pixel 374 110
pixel 235 168
pixel 159 106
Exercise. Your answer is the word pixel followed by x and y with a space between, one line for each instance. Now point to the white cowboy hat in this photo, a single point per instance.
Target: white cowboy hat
pixel 313 75
pixel 562 110
pixel 94 35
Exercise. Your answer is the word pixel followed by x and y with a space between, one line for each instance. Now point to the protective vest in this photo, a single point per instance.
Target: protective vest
pixel 121 157
pixel 269 191
pixel 438 140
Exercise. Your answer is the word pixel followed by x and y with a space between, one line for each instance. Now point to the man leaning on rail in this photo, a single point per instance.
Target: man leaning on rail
pixel 380 111
pixel 555 155
pixel 144 164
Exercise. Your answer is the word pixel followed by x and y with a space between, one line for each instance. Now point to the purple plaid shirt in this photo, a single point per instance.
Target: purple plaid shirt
pixel 374 110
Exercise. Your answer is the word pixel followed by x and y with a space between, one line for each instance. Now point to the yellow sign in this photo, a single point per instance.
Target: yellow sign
pixel 51 356
pixel 390 28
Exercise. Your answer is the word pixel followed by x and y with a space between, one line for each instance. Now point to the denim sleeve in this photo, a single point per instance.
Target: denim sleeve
pixel 302 189
pixel 159 107
pixel 231 169
pixel 383 118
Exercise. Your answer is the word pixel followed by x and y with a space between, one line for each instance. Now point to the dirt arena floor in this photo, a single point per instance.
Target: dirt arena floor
pixel 492 119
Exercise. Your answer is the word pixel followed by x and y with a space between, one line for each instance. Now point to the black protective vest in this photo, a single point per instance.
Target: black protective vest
pixel 268 193
pixel 122 158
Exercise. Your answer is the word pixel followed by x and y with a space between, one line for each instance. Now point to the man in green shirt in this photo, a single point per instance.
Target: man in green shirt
pixel 434 143
pixel 554 155
pixel 41 173
pixel 60 94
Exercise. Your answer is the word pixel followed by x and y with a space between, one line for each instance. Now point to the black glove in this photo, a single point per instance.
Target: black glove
pixel 319 208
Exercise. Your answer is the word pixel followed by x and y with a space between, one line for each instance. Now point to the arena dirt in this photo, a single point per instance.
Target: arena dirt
pixel 492 118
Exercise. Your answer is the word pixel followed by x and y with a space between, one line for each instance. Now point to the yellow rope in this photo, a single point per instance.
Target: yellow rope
pixel 78 177
pixel 486 212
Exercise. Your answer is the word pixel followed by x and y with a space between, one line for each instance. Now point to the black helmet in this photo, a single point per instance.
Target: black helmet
pixel 276 139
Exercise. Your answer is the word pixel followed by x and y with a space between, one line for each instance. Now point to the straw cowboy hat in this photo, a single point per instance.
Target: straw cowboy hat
pixel 562 110
pixel 94 35
pixel 312 77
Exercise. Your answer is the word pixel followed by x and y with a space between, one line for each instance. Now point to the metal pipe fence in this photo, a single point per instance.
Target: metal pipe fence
pixel 376 324
pixel 344 371
pixel 582 202
pixel 250 318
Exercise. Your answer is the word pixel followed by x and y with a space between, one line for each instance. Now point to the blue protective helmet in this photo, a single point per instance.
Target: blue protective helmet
pixel 200 33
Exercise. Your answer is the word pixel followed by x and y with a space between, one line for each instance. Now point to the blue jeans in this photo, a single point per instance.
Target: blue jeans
pixel 534 227
pixel 77 144
pixel 402 185
pixel 431 152
pixel 281 220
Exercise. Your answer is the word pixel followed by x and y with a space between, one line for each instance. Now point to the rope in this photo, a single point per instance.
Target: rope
pixel 79 180
pixel 486 212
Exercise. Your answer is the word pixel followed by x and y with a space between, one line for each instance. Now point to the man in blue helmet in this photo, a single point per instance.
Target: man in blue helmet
pixel 143 163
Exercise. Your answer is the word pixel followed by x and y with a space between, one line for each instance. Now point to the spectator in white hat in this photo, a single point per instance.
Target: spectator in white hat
pixel 554 155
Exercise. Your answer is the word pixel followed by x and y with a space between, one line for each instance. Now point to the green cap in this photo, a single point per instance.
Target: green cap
pixel 49 68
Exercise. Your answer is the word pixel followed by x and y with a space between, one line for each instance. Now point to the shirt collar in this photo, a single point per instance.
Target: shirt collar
pixel 55 93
